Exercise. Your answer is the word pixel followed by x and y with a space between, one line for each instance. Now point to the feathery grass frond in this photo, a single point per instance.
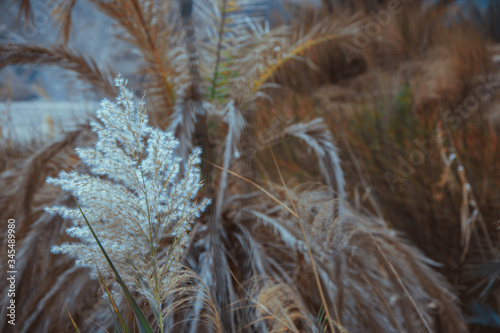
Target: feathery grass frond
pixel 236 124
pixel 469 212
pixel 288 238
pixel 63 15
pixel 84 67
pixel 408 287
pixel 280 306
pixel 142 322
pixel 318 137
pixel 206 64
pixel 72 320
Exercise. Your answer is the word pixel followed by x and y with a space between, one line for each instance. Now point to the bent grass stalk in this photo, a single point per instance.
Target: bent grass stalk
pixel 118 320
pixel 309 252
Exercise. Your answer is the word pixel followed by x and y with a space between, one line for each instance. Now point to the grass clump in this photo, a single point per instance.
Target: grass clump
pixel 294 258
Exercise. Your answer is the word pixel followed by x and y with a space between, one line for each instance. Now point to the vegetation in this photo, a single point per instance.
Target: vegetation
pixel 391 229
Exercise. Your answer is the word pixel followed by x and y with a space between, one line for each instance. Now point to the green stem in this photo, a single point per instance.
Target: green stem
pixel 219 50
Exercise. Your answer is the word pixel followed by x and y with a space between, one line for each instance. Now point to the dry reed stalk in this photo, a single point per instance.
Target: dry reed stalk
pixel 62 14
pixel 147 28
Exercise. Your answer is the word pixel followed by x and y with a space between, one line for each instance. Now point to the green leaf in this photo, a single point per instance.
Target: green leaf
pixel 142 322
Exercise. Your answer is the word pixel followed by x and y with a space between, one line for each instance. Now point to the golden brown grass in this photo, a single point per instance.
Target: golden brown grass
pixel 248 250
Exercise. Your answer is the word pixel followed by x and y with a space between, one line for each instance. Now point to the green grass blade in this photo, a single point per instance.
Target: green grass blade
pixel 142 322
